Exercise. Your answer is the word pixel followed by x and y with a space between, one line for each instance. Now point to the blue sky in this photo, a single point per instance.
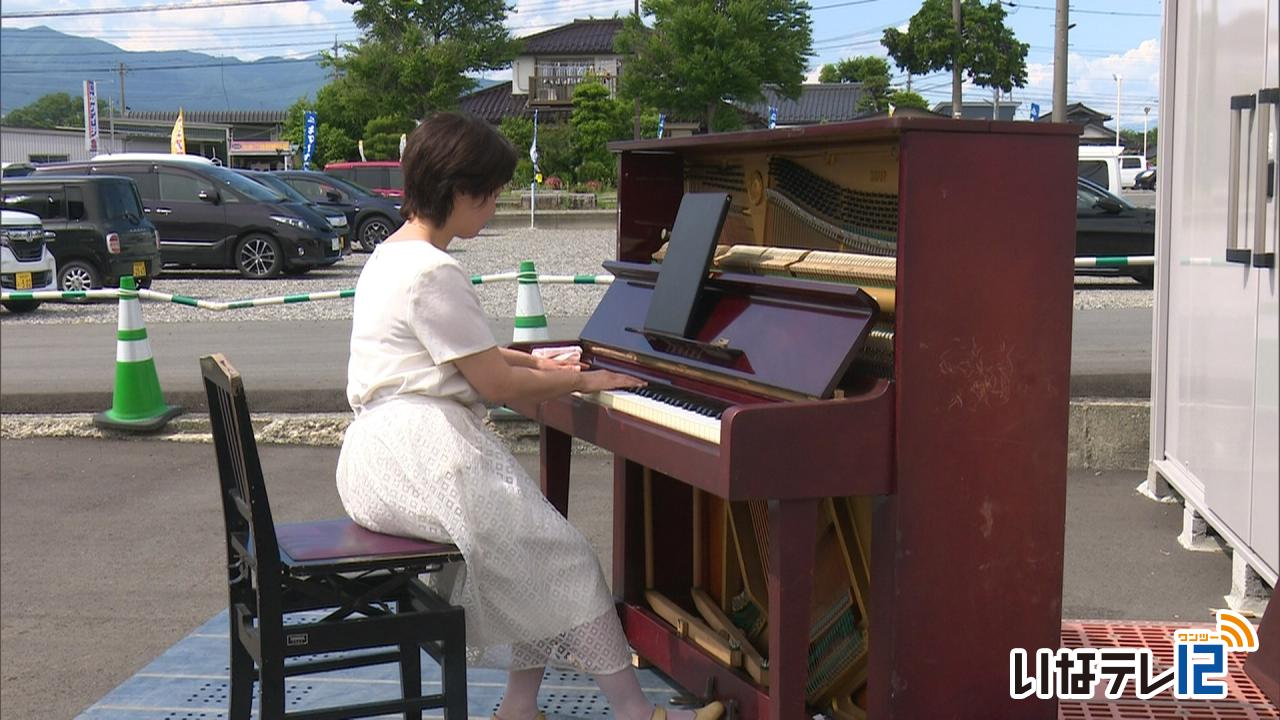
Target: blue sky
pixel 1111 37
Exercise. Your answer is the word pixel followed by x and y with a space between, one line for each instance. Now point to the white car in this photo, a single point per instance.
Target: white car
pixel 26 265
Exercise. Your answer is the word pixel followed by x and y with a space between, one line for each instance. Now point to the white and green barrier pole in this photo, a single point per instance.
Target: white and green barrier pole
pixel 1117 261
pixel 219 306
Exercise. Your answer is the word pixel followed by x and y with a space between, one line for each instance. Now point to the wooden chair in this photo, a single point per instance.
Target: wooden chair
pixel 360 589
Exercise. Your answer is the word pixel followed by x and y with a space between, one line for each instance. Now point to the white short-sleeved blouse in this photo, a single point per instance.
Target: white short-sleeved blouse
pixel 415 312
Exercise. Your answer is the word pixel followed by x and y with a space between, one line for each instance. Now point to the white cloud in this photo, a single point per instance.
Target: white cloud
pixel 1090 80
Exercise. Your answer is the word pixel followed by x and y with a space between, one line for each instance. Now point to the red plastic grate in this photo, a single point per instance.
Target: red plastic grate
pixel 1243 702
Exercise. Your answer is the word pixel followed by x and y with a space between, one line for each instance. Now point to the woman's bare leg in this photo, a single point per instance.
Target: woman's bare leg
pixel 520 701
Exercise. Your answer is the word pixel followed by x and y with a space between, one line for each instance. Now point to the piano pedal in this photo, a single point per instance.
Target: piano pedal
pixel 690 700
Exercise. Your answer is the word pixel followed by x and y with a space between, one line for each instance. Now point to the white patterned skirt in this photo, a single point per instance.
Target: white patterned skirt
pixel 531 586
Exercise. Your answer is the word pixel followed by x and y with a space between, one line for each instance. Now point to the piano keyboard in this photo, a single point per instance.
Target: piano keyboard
pixel 667 407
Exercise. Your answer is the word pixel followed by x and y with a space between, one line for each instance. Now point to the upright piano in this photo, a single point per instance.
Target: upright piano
pixel 914 408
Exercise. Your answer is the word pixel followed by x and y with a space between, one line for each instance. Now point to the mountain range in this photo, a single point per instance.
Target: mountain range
pixel 37 61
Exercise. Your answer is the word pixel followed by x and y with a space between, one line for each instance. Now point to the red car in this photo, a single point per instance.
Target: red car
pixel 383 177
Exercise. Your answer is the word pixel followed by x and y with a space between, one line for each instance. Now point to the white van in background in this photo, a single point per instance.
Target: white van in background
pixel 26 265
pixel 1100 165
pixel 1130 167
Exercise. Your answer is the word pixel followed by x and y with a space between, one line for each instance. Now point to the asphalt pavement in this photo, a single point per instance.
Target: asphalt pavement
pixel 113 552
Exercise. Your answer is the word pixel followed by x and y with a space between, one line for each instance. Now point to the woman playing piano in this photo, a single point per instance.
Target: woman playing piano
pixel 418 461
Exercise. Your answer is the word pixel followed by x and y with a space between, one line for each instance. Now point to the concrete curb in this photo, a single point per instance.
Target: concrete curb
pixel 1103 434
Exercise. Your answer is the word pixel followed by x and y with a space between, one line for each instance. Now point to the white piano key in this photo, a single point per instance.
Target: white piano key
pixel 659 413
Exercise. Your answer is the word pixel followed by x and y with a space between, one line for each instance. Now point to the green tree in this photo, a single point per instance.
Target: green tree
pixel 519 132
pixel 54 110
pixel 382 137
pixel 699 52
pixel 596 119
pixel 907 98
pixel 870 71
pixel 1132 139
pixel 414 54
pixel 333 145
pixel 986 50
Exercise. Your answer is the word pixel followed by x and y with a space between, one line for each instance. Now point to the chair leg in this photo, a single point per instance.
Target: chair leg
pixel 411 676
pixel 453 670
pixel 242 676
pixel 271 690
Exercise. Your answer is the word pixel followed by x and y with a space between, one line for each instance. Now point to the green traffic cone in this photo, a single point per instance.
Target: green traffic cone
pixel 136 402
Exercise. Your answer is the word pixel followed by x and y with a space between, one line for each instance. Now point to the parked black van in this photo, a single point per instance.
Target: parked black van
pixel 103 233
pixel 210 217
pixel 372 216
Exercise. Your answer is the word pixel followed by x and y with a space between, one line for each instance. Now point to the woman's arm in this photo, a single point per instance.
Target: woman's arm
pixel 498 381
pixel 516 358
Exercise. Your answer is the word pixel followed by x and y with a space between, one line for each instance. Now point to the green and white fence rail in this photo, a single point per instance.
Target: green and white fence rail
pixel 1118 261
pixel 114 294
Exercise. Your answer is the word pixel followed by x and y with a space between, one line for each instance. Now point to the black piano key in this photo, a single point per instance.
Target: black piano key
pixel 684 399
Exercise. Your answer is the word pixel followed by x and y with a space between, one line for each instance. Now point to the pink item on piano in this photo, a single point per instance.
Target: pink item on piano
pixel 566 353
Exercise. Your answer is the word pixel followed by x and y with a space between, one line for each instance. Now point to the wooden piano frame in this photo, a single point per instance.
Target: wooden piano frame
pixel 965 449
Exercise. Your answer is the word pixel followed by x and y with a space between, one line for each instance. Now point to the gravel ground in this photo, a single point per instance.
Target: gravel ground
pixel 555 252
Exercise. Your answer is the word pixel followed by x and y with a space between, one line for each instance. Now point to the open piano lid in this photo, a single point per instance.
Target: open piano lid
pixel 785 334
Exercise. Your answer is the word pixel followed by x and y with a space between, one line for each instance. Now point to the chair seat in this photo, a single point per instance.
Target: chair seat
pixel 341 543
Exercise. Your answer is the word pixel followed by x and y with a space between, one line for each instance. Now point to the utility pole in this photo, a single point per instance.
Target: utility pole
pixel 1119 81
pixel 635 125
pixel 334 74
pixel 124 109
pixel 956 101
pixel 1146 115
pixel 1060 63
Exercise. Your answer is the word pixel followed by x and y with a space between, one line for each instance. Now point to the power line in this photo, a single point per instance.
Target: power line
pixel 326 28
pixel 126 10
pixel 326 45
pixel 1078 11
pixel 842 4
pixel 145 68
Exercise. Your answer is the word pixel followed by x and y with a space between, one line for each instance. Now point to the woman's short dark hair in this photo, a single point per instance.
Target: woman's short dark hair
pixel 452 153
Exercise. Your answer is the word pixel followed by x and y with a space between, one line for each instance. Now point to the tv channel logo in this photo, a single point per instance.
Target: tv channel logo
pixel 1199 666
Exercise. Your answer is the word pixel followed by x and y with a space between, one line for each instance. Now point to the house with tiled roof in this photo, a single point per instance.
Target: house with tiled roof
pixel 1093 131
pixel 551 64
pixel 979 109
pixel 818 103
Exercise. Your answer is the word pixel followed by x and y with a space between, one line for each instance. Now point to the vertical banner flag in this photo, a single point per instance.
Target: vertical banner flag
pixel 91 115
pixel 662 123
pixel 360 147
pixel 1035 111
pixel 404 140
pixel 773 117
pixel 533 151
pixel 308 139
pixel 178 138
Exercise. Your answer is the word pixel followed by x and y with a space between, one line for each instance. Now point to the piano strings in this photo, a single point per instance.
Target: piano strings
pixel 874 274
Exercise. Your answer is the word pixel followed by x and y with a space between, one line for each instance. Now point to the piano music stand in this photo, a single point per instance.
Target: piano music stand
pixel 693 241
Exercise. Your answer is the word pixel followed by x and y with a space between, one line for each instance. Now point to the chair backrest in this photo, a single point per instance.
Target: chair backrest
pixel 245 509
